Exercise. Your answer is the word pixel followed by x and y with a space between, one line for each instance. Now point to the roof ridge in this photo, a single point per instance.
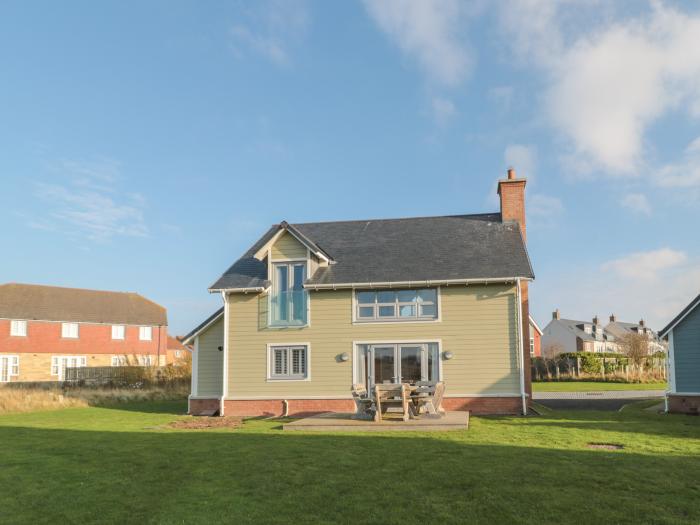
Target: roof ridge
pixel 467 215
pixel 75 288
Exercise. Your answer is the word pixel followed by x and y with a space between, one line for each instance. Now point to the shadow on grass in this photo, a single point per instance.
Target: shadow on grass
pixel 176 407
pixel 276 477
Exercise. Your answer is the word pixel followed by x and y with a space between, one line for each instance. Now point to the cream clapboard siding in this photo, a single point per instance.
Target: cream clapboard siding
pixel 478 326
pixel 210 360
pixel 287 247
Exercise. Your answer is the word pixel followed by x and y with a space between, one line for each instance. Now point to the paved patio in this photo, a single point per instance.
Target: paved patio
pixel 333 421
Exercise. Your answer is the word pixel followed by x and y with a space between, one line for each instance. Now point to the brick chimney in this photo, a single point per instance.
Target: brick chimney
pixel 641 323
pixel 555 314
pixel 613 319
pixel 595 320
pixel 512 193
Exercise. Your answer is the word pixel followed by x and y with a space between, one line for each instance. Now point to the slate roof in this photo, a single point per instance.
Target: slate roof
pixel 693 304
pixel 458 247
pixel 188 338
pixel 574 326
pixel 620 329
pixel 53 303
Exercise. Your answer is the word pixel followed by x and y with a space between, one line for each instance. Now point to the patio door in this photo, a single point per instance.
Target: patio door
pixel 400 363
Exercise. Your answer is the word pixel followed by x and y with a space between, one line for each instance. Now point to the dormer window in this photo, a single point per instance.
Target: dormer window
pixel 587 328
pixel 289 299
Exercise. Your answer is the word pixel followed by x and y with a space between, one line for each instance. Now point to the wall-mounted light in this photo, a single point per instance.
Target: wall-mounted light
pixel 447 355
pixel 344 357
pixel 221 349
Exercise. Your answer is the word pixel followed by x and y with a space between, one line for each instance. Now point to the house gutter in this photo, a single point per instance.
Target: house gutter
pixel 521 358
pixel 224 386
pixel 429 282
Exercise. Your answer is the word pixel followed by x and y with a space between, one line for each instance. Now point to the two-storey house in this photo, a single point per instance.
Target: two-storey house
pixel 569 335
pixel 311 309
pixel 620 329
pixel 44 329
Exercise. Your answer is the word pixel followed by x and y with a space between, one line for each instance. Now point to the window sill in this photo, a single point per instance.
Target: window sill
pixel 398 321
pixel 287 380
pixel 287 326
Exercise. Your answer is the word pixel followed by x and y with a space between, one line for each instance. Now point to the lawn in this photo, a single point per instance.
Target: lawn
pixel 121 466
pixel 593 386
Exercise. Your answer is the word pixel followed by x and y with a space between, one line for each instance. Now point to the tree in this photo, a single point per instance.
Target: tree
pixel 636 348
pixel 552 350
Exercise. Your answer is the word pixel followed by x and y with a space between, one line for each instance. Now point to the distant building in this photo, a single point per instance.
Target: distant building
pixel 535 339
pixel 619 330
pixel 176 351
pixel 45 329
pixel 568 335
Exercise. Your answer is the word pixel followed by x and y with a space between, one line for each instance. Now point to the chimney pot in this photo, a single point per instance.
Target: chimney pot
pixel 555 314
pixel 612 318
pixel 511 173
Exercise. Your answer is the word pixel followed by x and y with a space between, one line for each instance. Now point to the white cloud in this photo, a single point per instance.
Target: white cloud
pixel 637 202
pixel 428 31
pixel 609 84
pixel 86 204
pixel 654 291
pixel 443 110
pixel 543 211
pixel 271 29
pixel 645 266
pixel 523 159
pixel 685 174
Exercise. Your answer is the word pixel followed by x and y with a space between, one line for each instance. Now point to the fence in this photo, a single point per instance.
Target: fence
pixel 603 367
pixel 124 376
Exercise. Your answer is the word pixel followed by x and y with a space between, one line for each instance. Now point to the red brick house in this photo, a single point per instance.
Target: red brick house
pixel 535 339
pixel 177 352
pixel 44 329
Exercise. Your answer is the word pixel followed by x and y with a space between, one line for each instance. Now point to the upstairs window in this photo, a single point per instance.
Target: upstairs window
pixel 289 299
pixel 397 305
pixel 18 328
pixel 288 362
pixel 145 333
pixel 118 331
pixel 69 330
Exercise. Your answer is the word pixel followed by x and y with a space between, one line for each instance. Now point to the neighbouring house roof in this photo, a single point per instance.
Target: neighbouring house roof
pixel 535 325
pixel 670 326
pixel 417 250
pixel 620 329
pixel 577 328
pixel 175 343
pixel 53 303
pixel 203 326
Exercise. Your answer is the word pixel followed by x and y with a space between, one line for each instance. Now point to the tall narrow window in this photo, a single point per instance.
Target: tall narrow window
pixel 288 362
pixel 289 299
pixel 69 330
pixel 145 333
pixel 9 367
pixel 18 328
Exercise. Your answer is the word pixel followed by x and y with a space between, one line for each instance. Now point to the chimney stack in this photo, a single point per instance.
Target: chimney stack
pixel 555 314
pixel 641 323
pixel 512 195
pixel 613 318
pixel 595 320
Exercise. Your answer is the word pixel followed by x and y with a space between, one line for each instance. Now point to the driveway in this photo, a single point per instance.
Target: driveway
pixel 608 400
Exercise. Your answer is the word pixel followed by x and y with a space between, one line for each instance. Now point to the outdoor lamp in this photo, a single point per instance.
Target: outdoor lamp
pixel 344 356
pixel 447 355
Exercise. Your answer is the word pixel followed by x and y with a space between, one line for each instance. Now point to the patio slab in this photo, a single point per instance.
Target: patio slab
pixel 340 422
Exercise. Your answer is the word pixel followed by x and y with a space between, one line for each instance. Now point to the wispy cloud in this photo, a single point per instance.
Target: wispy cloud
pixel 637 202
pixel 429 32
pixel 684 174
pixel 443 110
pixel 522 158
pixel 271 29
pixel 645 266
pixel 87 203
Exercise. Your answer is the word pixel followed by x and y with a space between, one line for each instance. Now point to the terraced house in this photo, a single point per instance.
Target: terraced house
pixel 311 309
pixel 44 329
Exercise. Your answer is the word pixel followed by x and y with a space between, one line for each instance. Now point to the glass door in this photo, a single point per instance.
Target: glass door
pixel 411 363
pixel 382 365
pixel 4 369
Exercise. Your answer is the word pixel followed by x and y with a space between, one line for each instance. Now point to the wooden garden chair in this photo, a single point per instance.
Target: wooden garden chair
pixel 389 395
pixel 363 402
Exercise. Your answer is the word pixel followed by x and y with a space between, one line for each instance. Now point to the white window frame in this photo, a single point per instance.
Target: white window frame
pixel 11 367
pixel 288 377
pixel 532 346
pixel 144 360
pixel 58 364
pixel 119 360
pixel 356 319
pixel 143 330
pixel 116 329
pixel 274 288
pixel 67 330
pixel 18 328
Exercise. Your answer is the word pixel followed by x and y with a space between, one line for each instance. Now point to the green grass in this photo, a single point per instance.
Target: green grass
pixel 592 386
pixel 120 466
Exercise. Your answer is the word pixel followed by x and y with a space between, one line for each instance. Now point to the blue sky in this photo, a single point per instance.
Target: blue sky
pixel 144 146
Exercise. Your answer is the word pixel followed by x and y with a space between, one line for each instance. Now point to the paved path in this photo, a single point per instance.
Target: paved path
pixel 602 400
